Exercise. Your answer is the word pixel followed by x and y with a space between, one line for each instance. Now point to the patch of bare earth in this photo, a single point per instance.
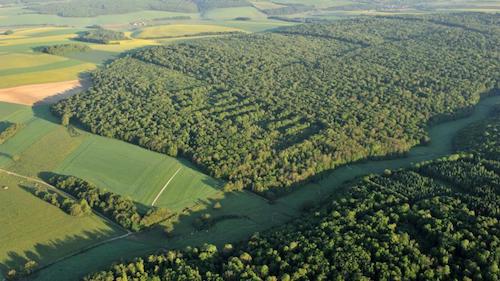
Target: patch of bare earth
pixel 42 93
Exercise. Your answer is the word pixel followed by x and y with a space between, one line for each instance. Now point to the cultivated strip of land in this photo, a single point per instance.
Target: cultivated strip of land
pixel 46 92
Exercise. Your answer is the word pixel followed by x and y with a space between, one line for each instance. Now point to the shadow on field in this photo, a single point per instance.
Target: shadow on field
pixel 46 254
pixel 41 109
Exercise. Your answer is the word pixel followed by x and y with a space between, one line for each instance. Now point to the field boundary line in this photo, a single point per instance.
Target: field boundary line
pixel 165 186
pixel 83 250
pixel 66 194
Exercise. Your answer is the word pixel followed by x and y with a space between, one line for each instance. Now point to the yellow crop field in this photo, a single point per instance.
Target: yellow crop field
pixel 20 60
pixel 41 39
pixel 54 75
pixel 177 30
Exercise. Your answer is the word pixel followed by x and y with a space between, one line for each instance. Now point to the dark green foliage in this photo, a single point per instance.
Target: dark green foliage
pixel 101 36
pixel 204 5
pixel 9 130
pixel 91 8
pixel 437 221
pixel 68 205
pixel 243 18
pixel 272 110
pixel 8 32
pixel 121 210
pixel 63 49
pixel 288 10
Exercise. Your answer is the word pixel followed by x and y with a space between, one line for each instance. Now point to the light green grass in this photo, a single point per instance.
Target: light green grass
pixel 20 61
pixel 33 229
pixel 47 76
pixel 138 173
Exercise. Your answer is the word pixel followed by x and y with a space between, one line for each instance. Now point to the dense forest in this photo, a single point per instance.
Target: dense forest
pixel 267 111
pixel 114 206
pixel 101 36
pixel 438 220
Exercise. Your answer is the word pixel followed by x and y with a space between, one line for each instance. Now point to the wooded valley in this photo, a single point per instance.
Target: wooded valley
pixel 268 111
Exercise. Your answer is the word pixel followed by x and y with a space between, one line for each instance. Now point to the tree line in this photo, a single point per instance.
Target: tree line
pixel 270 111
pixel 114 206
pixel 62 49
pixel 10 130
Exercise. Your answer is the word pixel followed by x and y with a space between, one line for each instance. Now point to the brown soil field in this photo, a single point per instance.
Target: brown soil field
pixel 42 93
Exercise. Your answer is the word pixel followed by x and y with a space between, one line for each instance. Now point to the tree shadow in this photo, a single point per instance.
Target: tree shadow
pixel 45 254
pixel 5 124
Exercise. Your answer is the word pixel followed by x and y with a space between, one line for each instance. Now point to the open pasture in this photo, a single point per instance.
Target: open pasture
pixel 138 173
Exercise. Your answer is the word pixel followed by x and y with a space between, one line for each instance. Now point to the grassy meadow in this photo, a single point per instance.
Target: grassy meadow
pixel 33 229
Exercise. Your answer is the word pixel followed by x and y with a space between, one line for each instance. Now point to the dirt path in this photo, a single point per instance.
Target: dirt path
pixel 42 93
pixel 164 187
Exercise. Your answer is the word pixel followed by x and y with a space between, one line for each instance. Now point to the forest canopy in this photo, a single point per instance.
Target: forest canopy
pixel 438 220
pixel 268 111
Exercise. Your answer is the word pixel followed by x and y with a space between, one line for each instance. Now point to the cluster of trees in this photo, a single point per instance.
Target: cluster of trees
pixel 267 111
pixel 28 268
pixel 71 207
pixel 204 5
pixel 63 49
pixel 114 206
pixel 438 220
pixel 288 10
pixel 101 36
pixel 10 130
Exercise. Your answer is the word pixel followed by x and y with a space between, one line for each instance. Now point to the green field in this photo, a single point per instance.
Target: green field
pixel 41 232
pixel 44 146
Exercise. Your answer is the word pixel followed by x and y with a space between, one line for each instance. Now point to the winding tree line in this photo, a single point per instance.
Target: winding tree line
pixel 268 111
pixel 114 206
pixel 436 221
